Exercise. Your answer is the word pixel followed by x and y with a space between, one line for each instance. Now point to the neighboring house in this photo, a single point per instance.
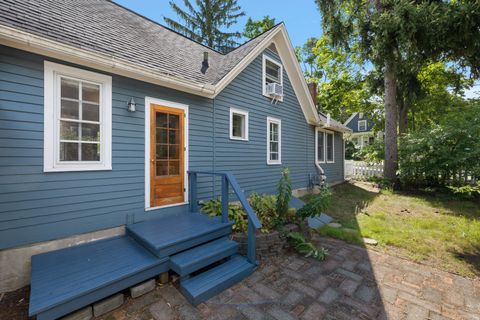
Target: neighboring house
pixel 362 130
pixel 110 122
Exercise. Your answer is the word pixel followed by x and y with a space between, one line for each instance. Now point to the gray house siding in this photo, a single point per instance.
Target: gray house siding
pixel 37 206
pixel 353 124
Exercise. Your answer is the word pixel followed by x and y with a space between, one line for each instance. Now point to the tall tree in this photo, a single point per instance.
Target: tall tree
pixel 254 28
pixel 390 32
pixel 207 22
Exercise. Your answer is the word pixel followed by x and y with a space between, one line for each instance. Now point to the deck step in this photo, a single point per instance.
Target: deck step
pixel 165 236
pixel 209 283
pixel 201 256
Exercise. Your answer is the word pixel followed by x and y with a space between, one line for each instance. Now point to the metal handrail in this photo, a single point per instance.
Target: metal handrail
pixel 228 179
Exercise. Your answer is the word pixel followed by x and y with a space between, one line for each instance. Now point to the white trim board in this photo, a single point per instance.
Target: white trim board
pixel 170 104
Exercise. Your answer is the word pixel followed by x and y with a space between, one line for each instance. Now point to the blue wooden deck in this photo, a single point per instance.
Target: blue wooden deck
pixel 68 279
pixel 192 244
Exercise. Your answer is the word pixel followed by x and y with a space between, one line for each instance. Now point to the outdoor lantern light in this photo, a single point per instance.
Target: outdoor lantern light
pixel 131 105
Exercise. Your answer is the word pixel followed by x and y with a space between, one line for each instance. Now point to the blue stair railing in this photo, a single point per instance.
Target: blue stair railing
pixel 228 179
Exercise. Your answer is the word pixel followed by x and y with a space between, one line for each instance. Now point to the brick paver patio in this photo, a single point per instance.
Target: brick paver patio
pixel 353 283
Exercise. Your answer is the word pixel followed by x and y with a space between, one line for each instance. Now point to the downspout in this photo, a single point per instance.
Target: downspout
pixel 214 164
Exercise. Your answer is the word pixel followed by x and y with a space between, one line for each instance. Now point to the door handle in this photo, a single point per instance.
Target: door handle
pixel 152 160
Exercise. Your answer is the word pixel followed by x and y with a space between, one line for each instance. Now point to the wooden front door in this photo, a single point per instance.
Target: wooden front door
pixel 166 156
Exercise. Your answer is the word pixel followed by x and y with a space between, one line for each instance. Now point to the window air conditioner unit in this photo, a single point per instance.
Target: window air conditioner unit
pixel 274 90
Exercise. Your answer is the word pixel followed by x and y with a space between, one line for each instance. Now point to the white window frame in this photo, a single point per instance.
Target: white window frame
pixel 364 122
pixel 52 74
pixel 266 58
pixel 245 129
pixel 325 134
pixel 279 123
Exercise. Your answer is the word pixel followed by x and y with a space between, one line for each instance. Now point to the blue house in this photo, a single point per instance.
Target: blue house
pixel 113 128
pixel 362 133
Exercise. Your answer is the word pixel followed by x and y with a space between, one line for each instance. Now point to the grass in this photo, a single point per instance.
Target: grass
pixel 431 229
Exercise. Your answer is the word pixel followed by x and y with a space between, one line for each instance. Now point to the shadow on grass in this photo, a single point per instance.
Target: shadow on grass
pixel 470 256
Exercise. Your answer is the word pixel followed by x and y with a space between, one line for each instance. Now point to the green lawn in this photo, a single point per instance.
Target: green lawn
pixel 434 230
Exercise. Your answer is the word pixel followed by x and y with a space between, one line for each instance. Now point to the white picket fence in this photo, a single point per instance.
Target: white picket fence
pixel 360 169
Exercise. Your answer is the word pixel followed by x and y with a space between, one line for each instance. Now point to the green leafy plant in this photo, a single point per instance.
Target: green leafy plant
pixel 317 204
pixel 284 194
pixel 306 248
pixel 213 208
pixel 265 208
pixel 468 191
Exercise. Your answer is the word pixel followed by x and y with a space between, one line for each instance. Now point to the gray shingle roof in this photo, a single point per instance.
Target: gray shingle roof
pixel 108 28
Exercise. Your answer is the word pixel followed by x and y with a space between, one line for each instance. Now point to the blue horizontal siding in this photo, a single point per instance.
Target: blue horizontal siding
pixel 37 206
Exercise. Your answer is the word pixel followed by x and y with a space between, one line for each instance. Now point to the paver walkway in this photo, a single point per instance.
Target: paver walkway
pixel 353 283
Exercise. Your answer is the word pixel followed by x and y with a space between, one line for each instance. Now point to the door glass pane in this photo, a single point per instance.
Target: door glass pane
pixel 69 109
pixel 90 112
pixel 90 92
pixel 173 121
pixel 90 152
pixel 69 130
pixel 68 151
pixel 162 120
pixel 162 151
pixel 162 135
pixel 69 88
pixel 173 137
pixel 162 167
pixel 173 152
pixel 173 167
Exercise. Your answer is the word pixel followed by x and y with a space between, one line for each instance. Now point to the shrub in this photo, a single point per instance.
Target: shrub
pixel 317 204
pixel 284 194
pixel 373 153
pixel 265 208
pixel 213 208
pixel 304 247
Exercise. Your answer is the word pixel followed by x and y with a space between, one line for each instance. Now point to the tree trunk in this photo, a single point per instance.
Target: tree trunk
pixel 402 116
pixel 391 112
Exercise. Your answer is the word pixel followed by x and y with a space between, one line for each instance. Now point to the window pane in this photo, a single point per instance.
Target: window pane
pixel 173 121
pixel 162 151
pixel 329 147
pixel 90 92
pixel 173 167
pixel 90 112
pixel 272 71
pixel 90 152
pixel 320 146
pixel 68 151
pixel 69 130
pixel 273 156
pixel 90 132
pixel 69 109
pixel 238 121
pixel 273 146
pixel 162 120
pixel 69 88
pixel 162 168
pixel 162 135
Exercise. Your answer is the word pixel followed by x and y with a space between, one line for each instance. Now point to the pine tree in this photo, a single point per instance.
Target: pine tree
pixel 206 22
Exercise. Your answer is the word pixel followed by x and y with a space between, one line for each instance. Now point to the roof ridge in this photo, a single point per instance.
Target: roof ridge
pixel 257 36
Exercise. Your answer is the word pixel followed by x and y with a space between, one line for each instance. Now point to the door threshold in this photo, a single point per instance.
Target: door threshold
pixel 166 206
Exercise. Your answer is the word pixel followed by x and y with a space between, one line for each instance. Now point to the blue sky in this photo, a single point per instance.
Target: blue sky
pixel 301 17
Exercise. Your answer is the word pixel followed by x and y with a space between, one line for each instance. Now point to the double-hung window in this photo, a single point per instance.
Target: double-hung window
pixel 324 146
pixel 362 125
pixel 77 119
pixel 274 141
pixel 272 72
pixel 238 124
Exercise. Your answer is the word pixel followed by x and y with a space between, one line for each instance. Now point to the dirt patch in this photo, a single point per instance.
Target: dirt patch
pixel 14 305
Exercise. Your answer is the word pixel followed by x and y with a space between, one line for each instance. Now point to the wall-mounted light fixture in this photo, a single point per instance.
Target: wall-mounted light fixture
pixel 131 105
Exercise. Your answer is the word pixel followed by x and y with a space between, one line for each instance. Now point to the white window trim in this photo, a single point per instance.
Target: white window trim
pixel 264 74
pixel 317 130
pixel 326 132
pixel 148 102
pixel 243 113
pixel 52 72
pixel 279 122
pixel 365 124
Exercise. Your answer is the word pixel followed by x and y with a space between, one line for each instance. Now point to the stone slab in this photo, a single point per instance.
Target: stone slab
pixel 142 288
pixel 108 304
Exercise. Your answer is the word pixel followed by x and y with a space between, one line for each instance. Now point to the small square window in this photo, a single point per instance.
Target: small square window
pixel 362 125
pixel 238 124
